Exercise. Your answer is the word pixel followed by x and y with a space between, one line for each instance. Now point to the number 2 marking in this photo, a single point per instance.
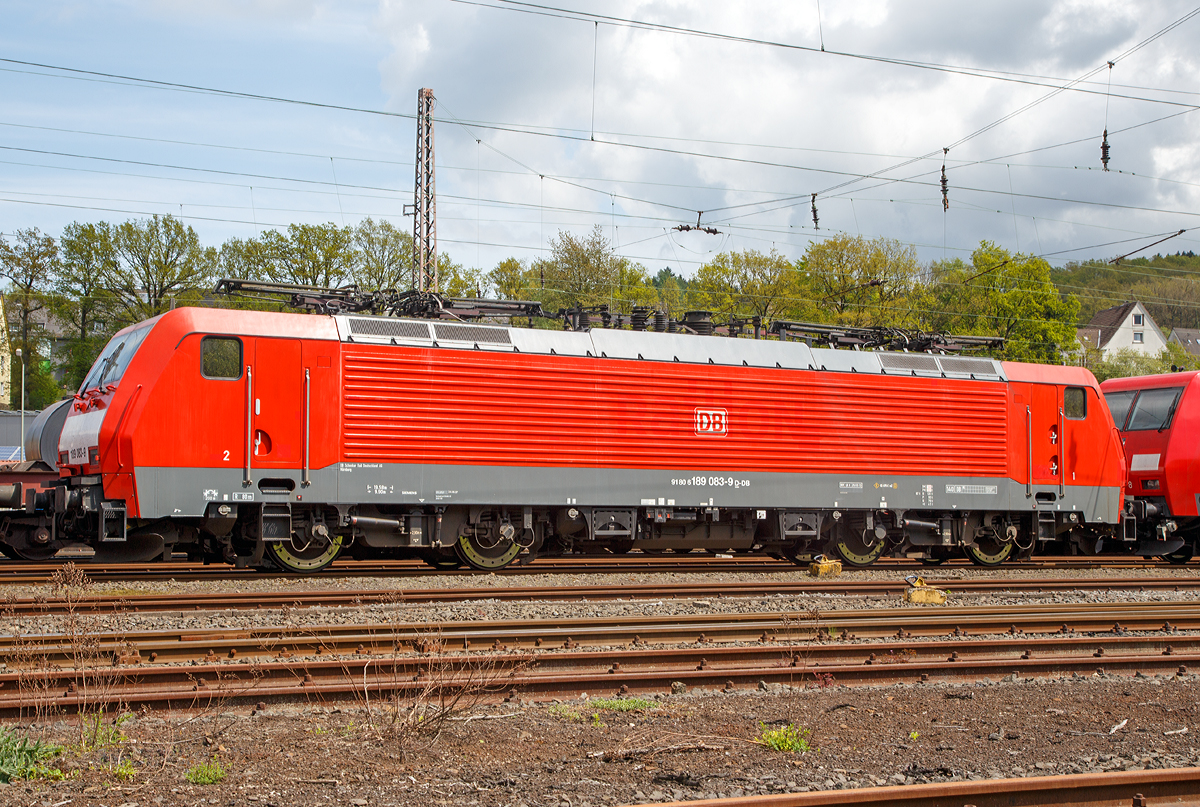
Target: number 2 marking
pixel 227 455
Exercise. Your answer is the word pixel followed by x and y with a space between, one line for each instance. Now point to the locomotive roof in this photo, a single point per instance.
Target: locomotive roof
pixel 653 346
pixel 1181 379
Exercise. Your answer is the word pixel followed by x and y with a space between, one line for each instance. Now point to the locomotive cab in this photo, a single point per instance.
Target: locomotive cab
pixel 68 440
pixel 1159 421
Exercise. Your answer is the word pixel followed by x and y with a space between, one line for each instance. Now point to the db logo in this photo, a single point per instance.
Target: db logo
pixel 712 422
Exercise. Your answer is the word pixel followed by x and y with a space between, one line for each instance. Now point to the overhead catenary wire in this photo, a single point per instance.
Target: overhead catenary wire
pixel 997 75
pixel 336 189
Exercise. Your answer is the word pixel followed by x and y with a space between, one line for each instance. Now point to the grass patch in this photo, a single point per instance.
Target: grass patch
pixel 564 711
pixel 96 733
pixel 22 758
pixel 125 770
pixel 622 704
pixel 789 739
pixel 206 773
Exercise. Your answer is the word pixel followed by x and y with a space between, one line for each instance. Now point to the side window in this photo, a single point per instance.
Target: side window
pixel 1154 409
pixel 221 357
pixel 1075 403
pixel 1119 404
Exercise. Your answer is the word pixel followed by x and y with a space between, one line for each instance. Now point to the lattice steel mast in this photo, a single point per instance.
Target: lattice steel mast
pixel 425 270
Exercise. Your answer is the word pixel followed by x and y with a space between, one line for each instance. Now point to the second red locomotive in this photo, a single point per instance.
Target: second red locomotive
pixel 1159 420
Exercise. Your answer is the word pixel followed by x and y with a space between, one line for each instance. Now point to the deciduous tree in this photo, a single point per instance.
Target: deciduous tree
pixel 748 283
pixel 159 263
pixel 863 282
pixel 29 265
pixel 80 300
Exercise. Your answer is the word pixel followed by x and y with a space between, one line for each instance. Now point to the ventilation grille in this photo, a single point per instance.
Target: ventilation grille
pixel 388 327
pixel 471 333
pixel 910 361
pixel 972 366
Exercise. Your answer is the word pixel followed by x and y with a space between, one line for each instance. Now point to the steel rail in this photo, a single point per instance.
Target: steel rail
pixel 906 623
pixel 20 572
pixel 1117 789
pixel 615 670
pixel 338 598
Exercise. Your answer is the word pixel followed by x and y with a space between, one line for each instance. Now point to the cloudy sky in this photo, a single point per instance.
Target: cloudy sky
pixel 240 115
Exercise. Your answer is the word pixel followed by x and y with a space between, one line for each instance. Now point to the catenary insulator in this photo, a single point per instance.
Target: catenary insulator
pixel 1104 151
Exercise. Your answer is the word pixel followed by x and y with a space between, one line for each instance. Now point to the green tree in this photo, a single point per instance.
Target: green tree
pixel 586 271
pixel 510 280
pixel 29 266
pixel 80 301
pixel 674 294
pixel 1129 362
pixel 857 281
pixel 749 283
pixel 311 255
pixel 1002 294
pixel 455 280
pixel 384 256
pixel 245 259
pixel 159 263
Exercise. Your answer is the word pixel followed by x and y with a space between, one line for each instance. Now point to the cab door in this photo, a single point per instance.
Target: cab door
pixel 1045 435
pixel 277 404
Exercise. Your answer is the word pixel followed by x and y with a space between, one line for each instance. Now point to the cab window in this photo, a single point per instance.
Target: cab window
pixel 1154 409
pixel 1075 403
pixel 1119 404
pixel 112 361
pixel 221 357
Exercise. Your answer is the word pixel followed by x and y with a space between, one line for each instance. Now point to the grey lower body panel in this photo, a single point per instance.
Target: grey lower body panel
pixel 186 492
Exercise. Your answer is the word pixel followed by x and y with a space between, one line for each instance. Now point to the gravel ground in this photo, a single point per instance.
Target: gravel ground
pixel 584 753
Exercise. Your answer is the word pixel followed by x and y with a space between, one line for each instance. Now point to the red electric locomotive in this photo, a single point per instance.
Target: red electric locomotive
pixel 276 438
pixel 1159 420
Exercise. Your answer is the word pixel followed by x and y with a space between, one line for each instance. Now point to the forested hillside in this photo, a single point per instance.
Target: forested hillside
pixel 1165 284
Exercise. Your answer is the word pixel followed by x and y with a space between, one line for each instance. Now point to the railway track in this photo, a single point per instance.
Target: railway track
pixel 15 572
pixel 1167 618
pixel 1121 789
pixel 342 598
pixel 642 655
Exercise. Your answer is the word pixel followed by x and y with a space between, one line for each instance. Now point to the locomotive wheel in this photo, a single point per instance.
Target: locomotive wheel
pixel 489 558
pixel 857 552
pixel 1180 556
pixel 33 552
pixel 799 554
pixel 442 561
pixel 988 552
pixel 313 557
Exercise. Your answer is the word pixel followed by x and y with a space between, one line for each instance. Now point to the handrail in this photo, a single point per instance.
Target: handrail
pixel 1062 453
pixel 1029 436
pixel 304 480
pixel 249 422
